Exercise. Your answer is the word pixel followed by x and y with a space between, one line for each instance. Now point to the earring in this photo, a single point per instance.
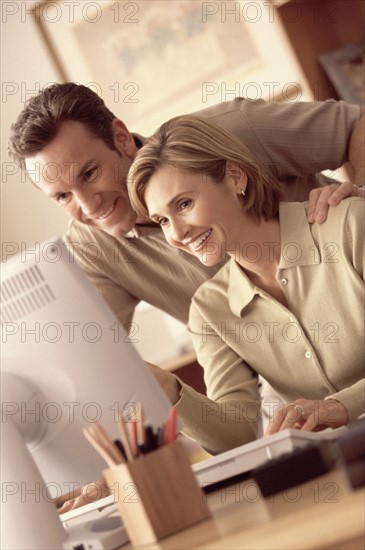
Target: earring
pixel 243 192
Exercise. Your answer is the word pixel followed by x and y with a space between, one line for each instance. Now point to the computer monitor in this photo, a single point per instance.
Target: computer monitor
pixel 62 340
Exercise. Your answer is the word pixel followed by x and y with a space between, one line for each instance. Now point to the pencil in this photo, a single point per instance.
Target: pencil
pixel 170 427
pixel 99 448
pixel 134 439
pixel 141 434
pixel 107 442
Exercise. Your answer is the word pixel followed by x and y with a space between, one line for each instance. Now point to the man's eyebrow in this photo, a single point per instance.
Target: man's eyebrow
pixel 84 167
pixel 76 173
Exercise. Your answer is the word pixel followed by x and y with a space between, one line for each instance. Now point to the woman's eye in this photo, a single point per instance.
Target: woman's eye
pixel 184 204
pixel 162 221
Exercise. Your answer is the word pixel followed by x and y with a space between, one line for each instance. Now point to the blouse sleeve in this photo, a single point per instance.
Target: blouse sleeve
pixel 229 415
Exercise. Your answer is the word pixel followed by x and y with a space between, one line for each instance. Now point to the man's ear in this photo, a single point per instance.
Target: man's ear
pixel 236 176
pixel 123 139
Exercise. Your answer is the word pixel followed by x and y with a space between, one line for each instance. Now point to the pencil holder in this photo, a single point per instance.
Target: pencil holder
pixel 157 494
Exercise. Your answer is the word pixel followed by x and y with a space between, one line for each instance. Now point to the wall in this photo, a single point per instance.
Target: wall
pixel 26 215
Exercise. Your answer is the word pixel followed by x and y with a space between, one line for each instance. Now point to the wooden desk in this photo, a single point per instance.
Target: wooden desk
pixel 323 513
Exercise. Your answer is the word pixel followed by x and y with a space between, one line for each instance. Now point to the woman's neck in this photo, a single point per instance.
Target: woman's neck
pixel 259 250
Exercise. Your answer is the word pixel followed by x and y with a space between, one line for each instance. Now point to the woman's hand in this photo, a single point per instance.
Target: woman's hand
pixel 89 493
pixel 321 198
pixel 168 382
pixel 309 415
pixel 99 489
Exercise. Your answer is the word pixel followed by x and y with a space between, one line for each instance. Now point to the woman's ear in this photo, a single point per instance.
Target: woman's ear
pixel 123 139
pixel 236 176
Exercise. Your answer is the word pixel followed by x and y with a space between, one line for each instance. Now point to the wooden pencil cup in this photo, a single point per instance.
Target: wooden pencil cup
pixel 157 494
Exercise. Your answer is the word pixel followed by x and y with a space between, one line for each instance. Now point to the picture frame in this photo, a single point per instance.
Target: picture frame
pixel 345 67
pixel 151 60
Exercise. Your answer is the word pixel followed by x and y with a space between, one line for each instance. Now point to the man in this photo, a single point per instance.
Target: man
pixel 79 154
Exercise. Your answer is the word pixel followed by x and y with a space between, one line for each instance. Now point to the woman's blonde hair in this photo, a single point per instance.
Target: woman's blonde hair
pixel 198 146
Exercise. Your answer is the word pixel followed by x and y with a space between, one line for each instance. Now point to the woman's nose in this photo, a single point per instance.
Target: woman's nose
pixel 178 230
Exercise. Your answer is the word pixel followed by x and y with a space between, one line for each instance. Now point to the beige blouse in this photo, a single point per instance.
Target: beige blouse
pixel 312 349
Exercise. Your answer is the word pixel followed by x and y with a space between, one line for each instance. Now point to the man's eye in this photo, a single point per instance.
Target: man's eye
pixel 90 173
pixel 62 198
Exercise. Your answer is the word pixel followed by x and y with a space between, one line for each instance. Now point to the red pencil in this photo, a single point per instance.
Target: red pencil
pixel 170 428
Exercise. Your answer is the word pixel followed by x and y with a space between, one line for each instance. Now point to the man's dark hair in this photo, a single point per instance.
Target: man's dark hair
pixel 37 125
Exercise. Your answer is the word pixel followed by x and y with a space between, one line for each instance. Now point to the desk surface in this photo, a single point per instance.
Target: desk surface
pixel 323 513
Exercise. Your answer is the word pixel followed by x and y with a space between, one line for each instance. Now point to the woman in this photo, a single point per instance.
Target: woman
pixel 287 306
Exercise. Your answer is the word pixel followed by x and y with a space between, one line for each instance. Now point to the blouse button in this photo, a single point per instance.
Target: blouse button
pixel 284 281
pixel 308 354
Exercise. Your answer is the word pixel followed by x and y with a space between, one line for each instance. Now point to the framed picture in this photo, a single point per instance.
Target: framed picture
pixel 345 68
pixel 154 59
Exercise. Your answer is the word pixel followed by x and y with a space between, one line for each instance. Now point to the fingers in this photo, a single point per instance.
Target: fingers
pixel 289 416
pixel 344 190
pixel 328 413
pixel 74 503
pixel 318 203
pixel 90 493
pixel 67 506
pixel 168 382
pixel 358 191
pixel 309 415
pixel 321 198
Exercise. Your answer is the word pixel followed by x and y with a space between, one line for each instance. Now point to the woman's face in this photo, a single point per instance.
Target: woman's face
pixel 197 214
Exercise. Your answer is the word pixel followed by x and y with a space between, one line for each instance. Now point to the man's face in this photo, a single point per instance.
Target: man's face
pixel 87 178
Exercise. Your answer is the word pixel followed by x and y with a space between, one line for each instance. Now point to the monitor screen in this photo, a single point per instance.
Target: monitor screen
pixel 61 339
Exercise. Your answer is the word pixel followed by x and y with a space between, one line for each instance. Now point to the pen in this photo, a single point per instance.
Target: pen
pixel 136 438
pixel 151 439
pixel 160 436
pixel 125 437
pixel 120 447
